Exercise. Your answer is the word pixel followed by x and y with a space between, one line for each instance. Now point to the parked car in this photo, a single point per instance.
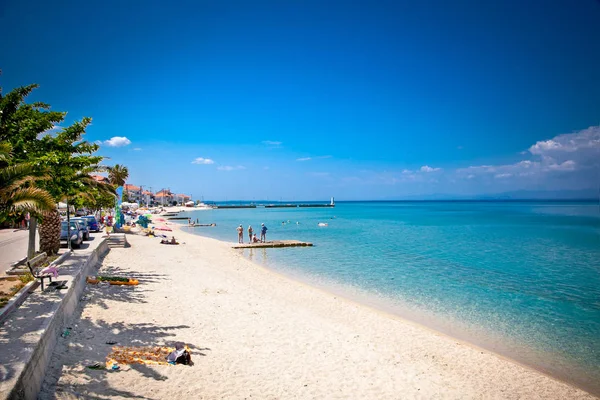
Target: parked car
pixel 92 223
pixel 76 234
pixel 83 224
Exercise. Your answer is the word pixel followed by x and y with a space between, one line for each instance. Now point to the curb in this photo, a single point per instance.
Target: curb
pixel 20 262
pixel 61 258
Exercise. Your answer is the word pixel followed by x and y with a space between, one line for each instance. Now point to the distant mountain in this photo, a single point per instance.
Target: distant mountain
pixel 585 194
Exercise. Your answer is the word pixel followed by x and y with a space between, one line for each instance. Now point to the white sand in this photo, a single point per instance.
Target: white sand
pixel 256 334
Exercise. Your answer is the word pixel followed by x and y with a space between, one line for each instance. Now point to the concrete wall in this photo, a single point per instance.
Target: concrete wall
pixel 28 385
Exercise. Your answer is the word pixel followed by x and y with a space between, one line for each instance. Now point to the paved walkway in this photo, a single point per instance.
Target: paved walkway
pixel 13 247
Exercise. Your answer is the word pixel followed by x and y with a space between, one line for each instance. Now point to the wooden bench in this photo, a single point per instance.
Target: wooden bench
pixel 34 266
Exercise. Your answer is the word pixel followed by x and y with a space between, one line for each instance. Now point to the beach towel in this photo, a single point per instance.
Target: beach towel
pixel 149 355
pixel 50 270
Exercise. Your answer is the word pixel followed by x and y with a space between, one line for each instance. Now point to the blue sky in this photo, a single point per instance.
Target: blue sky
pixel 305 100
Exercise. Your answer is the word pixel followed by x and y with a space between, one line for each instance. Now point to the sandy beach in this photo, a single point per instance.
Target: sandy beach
pixel 256 334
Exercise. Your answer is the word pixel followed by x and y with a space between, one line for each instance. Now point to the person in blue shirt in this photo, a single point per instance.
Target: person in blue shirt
pixel 263 233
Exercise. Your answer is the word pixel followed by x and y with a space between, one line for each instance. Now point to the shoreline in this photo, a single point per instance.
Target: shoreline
pixel 255 332
pixel 449 328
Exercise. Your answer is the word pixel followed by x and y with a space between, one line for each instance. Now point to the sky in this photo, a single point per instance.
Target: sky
pixel 304 100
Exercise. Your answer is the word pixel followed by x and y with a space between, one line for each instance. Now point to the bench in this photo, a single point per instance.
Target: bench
pixel 34 267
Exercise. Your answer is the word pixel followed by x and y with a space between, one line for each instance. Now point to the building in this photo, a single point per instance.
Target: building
pixel 164 197
pixel 147 197
pixel 100 178
pixel 134 193
pixel 182 198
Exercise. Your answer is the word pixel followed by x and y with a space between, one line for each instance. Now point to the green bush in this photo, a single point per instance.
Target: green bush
pixel 26 278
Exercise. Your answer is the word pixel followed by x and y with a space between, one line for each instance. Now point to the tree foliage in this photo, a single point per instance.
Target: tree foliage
pixel 118 175
pixel 47 162
pixel 17 194
pixel 36 137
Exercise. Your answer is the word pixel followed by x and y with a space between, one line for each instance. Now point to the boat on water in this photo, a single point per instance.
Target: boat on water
pixel 203 206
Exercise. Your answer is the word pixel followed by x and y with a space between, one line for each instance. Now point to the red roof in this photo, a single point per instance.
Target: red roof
pixel 131 187
pixel 99 178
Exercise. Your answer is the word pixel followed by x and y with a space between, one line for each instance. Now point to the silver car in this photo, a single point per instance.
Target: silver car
pixel 84 226
pixel 76 234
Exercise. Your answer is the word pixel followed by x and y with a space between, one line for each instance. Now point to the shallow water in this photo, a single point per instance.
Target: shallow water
pixel 522 279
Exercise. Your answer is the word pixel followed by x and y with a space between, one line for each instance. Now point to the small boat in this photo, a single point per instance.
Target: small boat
pixel 323 224
pixel 203 206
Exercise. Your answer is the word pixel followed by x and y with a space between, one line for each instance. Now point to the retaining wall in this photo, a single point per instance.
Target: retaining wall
pixel 23 363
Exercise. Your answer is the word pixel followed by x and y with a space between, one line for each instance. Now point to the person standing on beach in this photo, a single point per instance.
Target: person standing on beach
pixel 250 230
pixel 263 233
pixel 240 231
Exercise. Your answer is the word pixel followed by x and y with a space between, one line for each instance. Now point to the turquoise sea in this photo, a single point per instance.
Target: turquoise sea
pixel 519 278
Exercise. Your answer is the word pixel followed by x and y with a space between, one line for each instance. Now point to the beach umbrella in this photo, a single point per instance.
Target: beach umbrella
pixel 163 228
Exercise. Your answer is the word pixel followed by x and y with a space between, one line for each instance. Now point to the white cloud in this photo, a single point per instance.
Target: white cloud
pixel 117 141
pixel 304 159
pixel 51 131
pixel 569 165
pixel 272 144
pixel 230 168
pixel 567 153
pixel 582 147
pixel 137 149
pixel 569 142
pixel 203 161
pixel 427 168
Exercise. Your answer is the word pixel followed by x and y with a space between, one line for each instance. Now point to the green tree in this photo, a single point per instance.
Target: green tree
pixel 17 196
pixel 118 174
pixel 37 138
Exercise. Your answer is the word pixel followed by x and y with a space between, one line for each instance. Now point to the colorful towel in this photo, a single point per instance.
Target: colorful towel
pixel 50 270
pixel 139 355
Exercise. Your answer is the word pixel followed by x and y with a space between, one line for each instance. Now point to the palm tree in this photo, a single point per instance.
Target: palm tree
pixel 118 174
pixel 15 194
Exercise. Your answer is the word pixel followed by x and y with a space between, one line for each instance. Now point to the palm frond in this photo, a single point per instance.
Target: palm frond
pixel 30 199
pixel 13 173
pixel 5 149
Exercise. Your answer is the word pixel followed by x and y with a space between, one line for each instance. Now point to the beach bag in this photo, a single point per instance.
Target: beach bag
pixel 185 358
pixel 180 355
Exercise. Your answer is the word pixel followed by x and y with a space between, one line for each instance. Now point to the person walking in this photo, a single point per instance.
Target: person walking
pixel 250 231
pixel 27 218
pixel 263 233
pixel 240 231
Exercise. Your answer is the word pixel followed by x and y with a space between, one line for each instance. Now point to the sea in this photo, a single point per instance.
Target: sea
pixel 521 279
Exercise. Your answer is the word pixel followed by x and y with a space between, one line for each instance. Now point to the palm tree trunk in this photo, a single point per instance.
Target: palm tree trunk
pixel 49 232
pixel 32 232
